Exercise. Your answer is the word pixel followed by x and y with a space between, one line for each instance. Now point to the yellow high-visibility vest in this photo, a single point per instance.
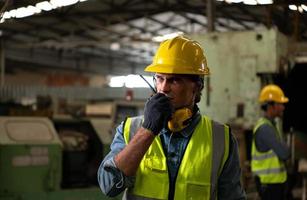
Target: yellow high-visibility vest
pixel 266 165
pixel 203 160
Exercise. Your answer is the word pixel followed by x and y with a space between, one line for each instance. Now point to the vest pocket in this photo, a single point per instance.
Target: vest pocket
pixel 197 191
pixel 155 163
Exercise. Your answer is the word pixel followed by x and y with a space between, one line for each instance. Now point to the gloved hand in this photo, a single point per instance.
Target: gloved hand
pixel 158 111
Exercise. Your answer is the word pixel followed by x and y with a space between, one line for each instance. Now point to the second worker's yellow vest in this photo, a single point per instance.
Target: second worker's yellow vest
pixel 266 165
pixel 198 173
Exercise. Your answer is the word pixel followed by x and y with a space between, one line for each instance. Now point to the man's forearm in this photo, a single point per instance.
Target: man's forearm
pixel 129 158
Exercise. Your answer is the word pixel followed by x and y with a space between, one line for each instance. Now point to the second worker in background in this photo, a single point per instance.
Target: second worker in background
pixel 269 152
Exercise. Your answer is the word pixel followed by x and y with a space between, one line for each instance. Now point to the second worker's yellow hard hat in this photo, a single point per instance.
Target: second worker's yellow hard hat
pixel 273 93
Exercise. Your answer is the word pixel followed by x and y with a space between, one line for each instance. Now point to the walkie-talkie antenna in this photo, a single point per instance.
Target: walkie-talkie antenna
pixel 151 87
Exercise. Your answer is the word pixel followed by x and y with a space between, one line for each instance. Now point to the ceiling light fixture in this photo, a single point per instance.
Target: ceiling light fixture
pixel 61 3
pixel 264 2
pixel 250 2
pixel 237 1
pixel 38 8
pixel 45 6
pixel 292 7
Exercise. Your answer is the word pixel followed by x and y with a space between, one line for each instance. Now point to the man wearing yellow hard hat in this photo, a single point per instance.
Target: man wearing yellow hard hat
pixel 268 149
pixel 172 151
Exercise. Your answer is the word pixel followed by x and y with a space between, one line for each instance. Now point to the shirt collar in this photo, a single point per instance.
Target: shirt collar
pixel 271 120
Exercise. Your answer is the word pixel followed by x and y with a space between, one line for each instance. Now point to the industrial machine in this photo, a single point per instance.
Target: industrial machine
pixel 240 64
pixel 57 158
pixel 44 159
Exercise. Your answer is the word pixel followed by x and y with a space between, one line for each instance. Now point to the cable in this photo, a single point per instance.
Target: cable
pixel 152 88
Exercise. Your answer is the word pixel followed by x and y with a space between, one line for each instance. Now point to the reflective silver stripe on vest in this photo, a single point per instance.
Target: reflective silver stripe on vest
pixel 269 171
pixel 218 137
pixel 136 122
pixel 264 156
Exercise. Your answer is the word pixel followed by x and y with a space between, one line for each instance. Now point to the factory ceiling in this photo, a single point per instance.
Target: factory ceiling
pixel 115 36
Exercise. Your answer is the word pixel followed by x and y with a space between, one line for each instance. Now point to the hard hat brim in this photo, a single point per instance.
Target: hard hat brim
pixel 282 100
pixel 162 68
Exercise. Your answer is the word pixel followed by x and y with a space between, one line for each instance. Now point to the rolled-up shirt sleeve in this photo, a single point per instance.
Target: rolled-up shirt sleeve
pixel 111 180
pixel 229 184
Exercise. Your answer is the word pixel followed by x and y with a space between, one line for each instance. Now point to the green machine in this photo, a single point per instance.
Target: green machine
pixel 42 159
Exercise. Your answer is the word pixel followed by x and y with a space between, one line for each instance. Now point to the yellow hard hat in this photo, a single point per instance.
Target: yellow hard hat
pixel 274 93
pixel 179 55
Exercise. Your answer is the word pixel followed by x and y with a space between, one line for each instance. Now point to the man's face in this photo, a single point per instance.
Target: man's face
pixel 278 109
pixel 180 89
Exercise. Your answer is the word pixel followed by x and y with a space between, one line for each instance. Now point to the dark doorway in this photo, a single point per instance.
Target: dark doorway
pixel 295 114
